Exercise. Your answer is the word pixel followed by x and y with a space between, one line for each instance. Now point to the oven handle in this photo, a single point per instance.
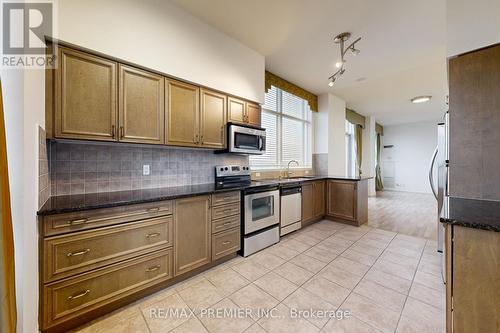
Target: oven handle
pixel 262 143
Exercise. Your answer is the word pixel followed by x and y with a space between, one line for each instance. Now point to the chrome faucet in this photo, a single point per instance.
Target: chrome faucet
pixel 288 172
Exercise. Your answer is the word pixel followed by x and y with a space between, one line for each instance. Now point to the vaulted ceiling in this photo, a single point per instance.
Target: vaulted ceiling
pixel 403 48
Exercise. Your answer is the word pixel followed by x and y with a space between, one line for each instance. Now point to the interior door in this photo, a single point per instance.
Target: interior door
pixel 85 97
pixel 212 119
pixel 183 110
pixel 141 106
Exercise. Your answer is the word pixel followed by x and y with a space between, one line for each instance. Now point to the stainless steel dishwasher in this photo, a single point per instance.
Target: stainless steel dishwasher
pixel 291 209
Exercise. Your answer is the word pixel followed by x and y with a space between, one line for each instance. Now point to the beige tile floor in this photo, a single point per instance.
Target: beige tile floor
pixel 388 282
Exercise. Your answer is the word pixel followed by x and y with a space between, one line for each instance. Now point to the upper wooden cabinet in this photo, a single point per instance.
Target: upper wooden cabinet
pixel 85 97
pixel 212 119
pixel 192 233
pixel 183 108
pixel 243 112
pixel 236 110
pixel 253 114
pixel 141 106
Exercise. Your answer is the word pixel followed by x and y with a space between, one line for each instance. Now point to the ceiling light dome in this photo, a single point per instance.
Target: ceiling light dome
pixel 421 99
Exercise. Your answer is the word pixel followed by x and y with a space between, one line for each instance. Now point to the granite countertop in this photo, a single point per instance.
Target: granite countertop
pixel 79 202
pixel 472 213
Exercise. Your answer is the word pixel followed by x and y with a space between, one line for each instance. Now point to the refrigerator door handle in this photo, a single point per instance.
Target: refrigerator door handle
pixel 431 169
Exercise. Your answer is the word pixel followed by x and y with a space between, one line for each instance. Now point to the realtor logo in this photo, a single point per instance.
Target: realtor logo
pixel 24 27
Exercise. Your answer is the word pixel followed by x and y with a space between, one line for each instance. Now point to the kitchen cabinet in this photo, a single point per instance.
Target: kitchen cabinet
pixel 472 275
pixel 253 114
pixel 212 119
pixel 192 233
pixel 85 97
pixel 243 112
pixel 347 201
pixel 307 203
pixel 141 106
pixel 319 198
pixel 183 108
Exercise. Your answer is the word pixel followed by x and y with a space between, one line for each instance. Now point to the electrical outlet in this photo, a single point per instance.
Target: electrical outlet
pixel 146 170
pixel 257 174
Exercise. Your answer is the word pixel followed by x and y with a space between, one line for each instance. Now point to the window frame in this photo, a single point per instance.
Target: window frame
pixel 306 122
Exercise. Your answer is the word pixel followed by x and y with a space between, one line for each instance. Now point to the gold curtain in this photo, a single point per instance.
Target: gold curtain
pixel 7 279
pixel 358 136
pixel 274 80
pixel 354 118
pixel 378 174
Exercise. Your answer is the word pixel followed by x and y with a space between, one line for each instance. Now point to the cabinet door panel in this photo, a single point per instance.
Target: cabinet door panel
pixel 319 198
pixel 341 200
pixel 183 113
pixel 213 119
pixel 253 114
pixel 192 233
pixel 307 203
pixel 141 106
pixel 236 110
pixel 85 97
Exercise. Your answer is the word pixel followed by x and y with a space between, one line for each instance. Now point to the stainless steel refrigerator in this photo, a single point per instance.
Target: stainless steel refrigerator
pixel 440 163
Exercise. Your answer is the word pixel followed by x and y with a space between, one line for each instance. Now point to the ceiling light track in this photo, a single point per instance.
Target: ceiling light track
pixel 341 39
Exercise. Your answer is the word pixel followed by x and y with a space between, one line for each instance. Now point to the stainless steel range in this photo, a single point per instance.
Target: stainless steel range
pixel 261 218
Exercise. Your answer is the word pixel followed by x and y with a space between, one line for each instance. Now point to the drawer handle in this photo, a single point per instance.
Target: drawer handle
pixel 153 234
pixel 227 211
pixel 79 253
pixel 70 298
pixel 223 225
pixel 79 221
pixel 226 243
pixel 153 268
pixel 153 210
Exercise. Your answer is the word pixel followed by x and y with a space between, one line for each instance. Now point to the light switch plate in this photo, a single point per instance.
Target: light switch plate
pixel 146 170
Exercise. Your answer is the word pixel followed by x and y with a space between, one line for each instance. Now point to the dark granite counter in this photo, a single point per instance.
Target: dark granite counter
pixel 79 202
pixel 471 213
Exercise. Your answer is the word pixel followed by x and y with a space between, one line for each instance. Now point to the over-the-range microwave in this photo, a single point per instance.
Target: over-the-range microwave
pixel 245 139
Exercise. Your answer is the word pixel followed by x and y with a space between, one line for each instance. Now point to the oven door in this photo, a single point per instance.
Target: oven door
pixel 246 140
pixel 261 210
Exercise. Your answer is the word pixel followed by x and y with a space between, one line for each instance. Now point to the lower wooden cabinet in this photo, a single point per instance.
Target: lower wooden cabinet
pixel 313 201
pixel 347 201
pixel 73 297
pixel 225 242
pixel 192 233
pixel 472 279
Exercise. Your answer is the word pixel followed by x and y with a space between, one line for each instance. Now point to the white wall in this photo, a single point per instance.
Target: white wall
pixel 414 144
pixel 329 133
pixel 151 33
pixel 471 24
pixel 161 36
pixel 368 153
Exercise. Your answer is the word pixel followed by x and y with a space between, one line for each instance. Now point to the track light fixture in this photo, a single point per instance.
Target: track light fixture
pixel 341 39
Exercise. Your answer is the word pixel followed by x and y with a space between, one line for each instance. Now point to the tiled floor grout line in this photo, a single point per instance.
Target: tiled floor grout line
pixel 412 280
pixel 389 243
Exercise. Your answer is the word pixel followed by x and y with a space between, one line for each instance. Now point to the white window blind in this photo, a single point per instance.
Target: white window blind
pixel 287 120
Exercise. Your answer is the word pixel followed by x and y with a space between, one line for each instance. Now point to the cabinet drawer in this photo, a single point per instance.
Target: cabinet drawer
pixel 225 223
pixel 66 255
pixel 75 296
pixel 69 222
pixel 225 198
pixel 225 211
pixel 225 243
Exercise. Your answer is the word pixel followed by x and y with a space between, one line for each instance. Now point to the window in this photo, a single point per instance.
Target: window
pixel 287 120
pixel 350 149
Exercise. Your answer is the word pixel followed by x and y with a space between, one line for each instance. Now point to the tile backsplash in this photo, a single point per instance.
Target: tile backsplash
pixel 43 168
pixel 80 167
pixel 320 164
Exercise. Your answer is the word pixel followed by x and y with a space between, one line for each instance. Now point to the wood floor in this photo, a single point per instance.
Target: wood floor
pixel 413 214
